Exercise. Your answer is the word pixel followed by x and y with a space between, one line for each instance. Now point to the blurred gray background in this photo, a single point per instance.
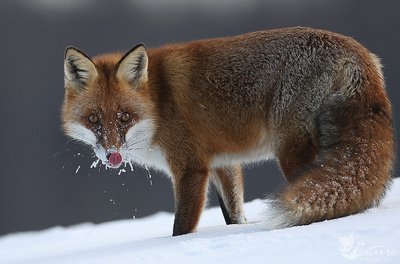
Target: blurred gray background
pixel 41 183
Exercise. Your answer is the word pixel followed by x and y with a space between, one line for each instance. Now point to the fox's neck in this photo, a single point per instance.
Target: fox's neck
pixel 168 73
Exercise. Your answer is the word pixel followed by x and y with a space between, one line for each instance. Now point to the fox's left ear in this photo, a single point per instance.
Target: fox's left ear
pixel 78 68
pixel 133 66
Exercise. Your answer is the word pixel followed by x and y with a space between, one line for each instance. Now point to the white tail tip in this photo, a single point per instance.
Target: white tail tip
pixel 277 216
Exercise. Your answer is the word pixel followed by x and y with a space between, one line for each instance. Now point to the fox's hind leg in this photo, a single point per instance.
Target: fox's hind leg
pixel 299 150
pixel 229 185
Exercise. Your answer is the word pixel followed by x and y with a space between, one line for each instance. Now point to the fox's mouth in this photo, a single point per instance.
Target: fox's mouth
pixel 114 160
pixel 112 157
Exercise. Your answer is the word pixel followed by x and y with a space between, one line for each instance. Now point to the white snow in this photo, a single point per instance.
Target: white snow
pixel 94 164
pixel 370 237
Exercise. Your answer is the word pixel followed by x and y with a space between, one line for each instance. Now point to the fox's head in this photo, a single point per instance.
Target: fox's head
pixel 107 103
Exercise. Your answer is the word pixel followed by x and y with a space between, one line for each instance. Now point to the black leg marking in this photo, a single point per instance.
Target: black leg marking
pixel 225 212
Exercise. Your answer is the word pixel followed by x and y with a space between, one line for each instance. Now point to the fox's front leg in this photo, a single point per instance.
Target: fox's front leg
pixel 190 187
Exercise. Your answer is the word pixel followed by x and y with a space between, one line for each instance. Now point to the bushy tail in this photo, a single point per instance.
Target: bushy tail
pixel 354 164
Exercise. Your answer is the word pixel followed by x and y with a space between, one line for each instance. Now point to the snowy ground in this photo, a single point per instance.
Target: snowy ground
pixel 371 237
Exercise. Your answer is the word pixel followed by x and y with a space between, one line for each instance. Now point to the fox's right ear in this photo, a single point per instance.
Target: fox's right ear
pixel 78 68
pixel 133 66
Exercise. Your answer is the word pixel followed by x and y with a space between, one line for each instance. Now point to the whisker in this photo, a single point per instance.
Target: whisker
pixel 136 142
pixel 138 137
pixel 132 149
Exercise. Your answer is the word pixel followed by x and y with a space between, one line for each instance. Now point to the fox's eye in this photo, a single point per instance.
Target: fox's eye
pixel 93 118
pixel 125 117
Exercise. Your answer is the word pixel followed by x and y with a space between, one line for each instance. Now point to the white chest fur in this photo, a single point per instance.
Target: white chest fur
pixel 140 150
pixel 152 157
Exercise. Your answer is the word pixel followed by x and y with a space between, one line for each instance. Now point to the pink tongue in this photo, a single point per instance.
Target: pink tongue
pixel 115 159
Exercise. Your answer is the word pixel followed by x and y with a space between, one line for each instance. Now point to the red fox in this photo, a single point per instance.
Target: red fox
pixel 313 100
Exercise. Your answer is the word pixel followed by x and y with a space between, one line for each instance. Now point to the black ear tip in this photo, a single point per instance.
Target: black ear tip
pixel 70 48
pixel 140 45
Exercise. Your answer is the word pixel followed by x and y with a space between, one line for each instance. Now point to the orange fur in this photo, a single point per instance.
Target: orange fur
pixel 313 99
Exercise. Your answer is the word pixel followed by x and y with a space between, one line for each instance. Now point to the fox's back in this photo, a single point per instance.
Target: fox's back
pixel 261 80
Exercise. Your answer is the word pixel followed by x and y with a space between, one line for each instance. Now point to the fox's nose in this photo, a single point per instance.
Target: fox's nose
pixel 114 158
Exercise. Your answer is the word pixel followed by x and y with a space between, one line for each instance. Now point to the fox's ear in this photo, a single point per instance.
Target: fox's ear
pixel 78 68
pixel 133 66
